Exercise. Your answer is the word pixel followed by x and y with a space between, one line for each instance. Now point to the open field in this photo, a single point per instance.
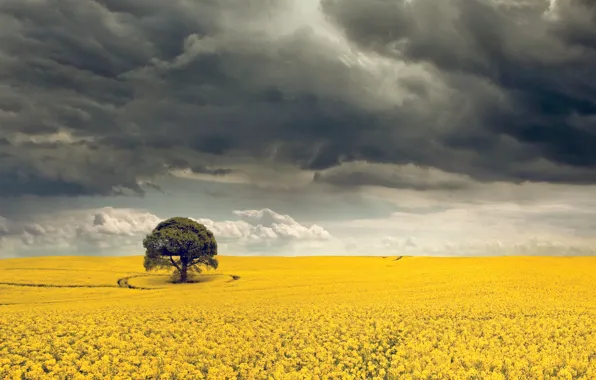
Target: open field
pixel 331 317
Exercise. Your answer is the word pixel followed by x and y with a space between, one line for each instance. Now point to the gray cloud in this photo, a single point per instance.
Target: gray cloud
pixel 4 231
pixel 358 174
pixel 98 97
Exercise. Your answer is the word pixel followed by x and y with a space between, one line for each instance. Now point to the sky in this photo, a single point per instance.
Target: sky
pixel 304 127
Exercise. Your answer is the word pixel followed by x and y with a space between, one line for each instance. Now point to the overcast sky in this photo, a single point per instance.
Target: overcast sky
pixel 299 127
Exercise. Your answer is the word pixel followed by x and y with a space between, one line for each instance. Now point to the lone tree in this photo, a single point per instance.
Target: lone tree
pixel 181 243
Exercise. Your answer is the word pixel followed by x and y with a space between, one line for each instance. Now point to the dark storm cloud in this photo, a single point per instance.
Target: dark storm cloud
pixel 98 96
pixel 544 67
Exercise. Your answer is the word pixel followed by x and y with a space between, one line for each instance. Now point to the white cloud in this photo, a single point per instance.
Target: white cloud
pixel 544 227
pixel 552 223
pixel 120 231
pixel 114 230
pixel 229 229
pixel 527 246
pixel 264 228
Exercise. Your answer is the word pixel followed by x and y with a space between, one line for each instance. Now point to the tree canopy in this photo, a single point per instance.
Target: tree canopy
pixel 181 243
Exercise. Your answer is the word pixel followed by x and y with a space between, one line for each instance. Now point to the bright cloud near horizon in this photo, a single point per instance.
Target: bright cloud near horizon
pixel 331 127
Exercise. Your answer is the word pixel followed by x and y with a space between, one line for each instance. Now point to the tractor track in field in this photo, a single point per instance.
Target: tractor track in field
pixel 124 282
pixel 121 283
pixel 56 285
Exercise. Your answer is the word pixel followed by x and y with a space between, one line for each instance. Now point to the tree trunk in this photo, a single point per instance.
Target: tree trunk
pixel 184 272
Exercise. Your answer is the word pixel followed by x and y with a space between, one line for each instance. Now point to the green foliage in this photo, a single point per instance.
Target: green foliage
pixel 181 243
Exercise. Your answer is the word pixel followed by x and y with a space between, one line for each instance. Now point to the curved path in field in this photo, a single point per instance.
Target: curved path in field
pixel 124 282
pixel 121 283
pixel 56 285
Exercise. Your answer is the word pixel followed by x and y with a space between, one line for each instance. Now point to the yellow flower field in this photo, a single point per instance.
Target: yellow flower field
pixel 300 318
